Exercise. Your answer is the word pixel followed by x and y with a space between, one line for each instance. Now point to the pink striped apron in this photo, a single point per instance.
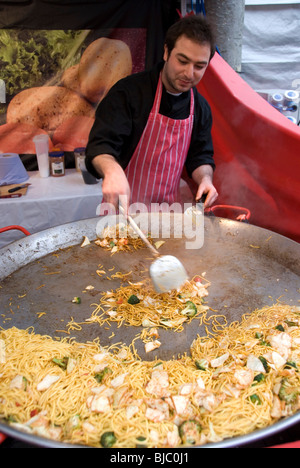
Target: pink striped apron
pixel 155 168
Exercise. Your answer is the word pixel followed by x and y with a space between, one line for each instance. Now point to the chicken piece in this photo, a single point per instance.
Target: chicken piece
pixel 131 410
pixel 157 410
pixel 219 361
pixel 276 412
pixel 180 403
pixel 153 333
pixel 255 364
pixel 100 367
pixel 104 390
pixel 200 289
pixel 243 377
pixel 38 420
pixel 2 352
pixel 18 382
pixel 100 356
pixel 154 436
pixel 122 354
pixel 88 427
pixel 200 383
pixel 99 404
pixel 173 439
pixel 232 391
pixel 158 383
pixel 207 400
pixel 155 415
pixel 119 380
pixel 186 389
pixel 54 432
pixel 274 359
pixel 151 345
pixel 282 343
pixel 47 381
pixel 121 397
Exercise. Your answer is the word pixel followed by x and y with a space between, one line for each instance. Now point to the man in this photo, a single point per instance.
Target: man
pixel 152 124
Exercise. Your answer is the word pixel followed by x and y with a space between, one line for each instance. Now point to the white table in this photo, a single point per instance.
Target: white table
pixel 49 202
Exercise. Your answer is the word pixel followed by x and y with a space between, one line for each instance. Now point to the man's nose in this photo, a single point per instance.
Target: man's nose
pixel 189 70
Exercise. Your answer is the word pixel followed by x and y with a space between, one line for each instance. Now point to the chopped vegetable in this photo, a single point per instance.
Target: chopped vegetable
pixel 66 363
pixel 158 364
pixel 147 323
pixel 74 422
pixel 172 323
pixel 288 393
pixel 189 432
pixel 108 439
pixel 280 328
pixel 62 363
pixel 100 375
pixel 259 378
pixel 264 363
pixel 133 299
pixel 76 300
pixel 141 442
pixel 201 364
pixel 255 399
pixel 85 242
pixel 190 309
pixel 259 336
pixel 264 343
pixel 291 324
pixel 291 364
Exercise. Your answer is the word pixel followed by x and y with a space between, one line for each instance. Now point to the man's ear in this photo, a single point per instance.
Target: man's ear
pixel 166 53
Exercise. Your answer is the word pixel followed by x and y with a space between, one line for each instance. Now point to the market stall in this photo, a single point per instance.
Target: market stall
pixel 48 276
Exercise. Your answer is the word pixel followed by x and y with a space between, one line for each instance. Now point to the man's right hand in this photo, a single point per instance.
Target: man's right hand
pixel 115 186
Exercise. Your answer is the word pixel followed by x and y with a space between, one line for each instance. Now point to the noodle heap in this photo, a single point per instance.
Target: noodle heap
pixel 138 304
pixel 243 378
pixel 120 238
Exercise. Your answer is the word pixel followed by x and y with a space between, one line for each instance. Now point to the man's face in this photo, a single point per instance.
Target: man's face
pixel 185 66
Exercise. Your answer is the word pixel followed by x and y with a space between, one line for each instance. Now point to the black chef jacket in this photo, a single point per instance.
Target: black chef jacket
pixel 122 115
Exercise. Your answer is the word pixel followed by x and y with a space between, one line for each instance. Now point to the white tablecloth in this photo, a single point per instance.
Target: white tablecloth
pixel 49 202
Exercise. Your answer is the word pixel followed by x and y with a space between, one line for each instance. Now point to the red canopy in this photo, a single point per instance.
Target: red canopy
pixel 257 151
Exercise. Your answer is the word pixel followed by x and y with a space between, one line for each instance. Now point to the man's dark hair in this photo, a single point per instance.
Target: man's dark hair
pixel 196 28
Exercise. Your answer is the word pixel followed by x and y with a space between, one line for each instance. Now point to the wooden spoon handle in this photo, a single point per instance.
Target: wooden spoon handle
pixel 138 231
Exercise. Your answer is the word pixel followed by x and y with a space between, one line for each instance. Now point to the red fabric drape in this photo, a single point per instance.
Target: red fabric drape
pixel 257 151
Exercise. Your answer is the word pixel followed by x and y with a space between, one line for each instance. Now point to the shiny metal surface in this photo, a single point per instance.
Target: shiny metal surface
pixel 248 267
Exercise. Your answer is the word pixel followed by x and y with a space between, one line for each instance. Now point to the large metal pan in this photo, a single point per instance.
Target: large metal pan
pixel 249 267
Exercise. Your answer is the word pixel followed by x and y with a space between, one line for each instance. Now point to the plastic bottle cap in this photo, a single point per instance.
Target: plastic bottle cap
pixel 291 95
pixel 277 97
pixel 56 154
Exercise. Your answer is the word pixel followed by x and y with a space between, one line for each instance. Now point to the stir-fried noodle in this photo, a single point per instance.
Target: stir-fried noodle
pixel 240 379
